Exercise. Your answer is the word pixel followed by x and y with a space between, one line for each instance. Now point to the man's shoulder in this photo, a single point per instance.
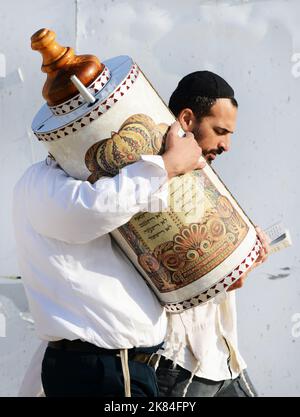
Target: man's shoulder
pixel 33 174
pixel 31 170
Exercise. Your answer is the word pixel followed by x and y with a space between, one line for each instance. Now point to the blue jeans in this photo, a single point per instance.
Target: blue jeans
pixel 172 382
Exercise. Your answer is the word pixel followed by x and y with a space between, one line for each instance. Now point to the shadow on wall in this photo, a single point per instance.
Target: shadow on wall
pixel 17 337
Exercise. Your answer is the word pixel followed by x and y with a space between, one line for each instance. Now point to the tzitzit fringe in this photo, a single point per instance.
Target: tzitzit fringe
pixel 246 383
pixel 240 371
pixel 174 344
pixel 196 369
pixel 173 341
pixel 126 373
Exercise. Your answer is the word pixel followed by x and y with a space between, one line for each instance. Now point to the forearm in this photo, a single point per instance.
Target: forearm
pixel 78 211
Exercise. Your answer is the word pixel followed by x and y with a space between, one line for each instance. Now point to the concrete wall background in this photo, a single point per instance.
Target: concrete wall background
pixel 20 96
pixel 255 45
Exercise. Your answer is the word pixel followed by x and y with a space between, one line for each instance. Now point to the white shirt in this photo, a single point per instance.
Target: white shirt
pixel 203 339
pixel 80 285
pixel 78 282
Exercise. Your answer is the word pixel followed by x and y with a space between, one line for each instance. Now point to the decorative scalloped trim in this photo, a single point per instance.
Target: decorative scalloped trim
pixel 77 101
pixel 88 118
pixel 221 286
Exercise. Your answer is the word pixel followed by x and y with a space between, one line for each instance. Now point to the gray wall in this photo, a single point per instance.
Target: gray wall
pixel 255 45
pixel 20 96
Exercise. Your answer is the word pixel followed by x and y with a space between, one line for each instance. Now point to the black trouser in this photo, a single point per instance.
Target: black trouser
pixel 99 374
pixel 172 382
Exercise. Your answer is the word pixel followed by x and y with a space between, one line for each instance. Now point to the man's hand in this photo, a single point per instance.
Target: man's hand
pixel 262 257
pixel 264 251
pixel 181 154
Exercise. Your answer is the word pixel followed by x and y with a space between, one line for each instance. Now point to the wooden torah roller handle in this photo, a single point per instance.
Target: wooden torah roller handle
pixel 60 63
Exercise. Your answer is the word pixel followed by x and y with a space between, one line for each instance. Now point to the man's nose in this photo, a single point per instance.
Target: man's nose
pixel 225 145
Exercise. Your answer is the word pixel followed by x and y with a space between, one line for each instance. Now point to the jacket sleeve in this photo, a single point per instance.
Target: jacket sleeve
pixel 63 208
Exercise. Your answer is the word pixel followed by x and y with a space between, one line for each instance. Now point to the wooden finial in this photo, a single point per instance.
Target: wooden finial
pixel 52 53
pixel 60 63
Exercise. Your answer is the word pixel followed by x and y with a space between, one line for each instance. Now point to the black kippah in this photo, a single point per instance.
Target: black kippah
pixel 204 84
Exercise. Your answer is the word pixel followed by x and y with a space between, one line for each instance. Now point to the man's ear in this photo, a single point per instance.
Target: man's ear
pixel 186 119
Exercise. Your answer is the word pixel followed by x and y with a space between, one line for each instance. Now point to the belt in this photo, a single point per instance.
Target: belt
pixel 79 346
